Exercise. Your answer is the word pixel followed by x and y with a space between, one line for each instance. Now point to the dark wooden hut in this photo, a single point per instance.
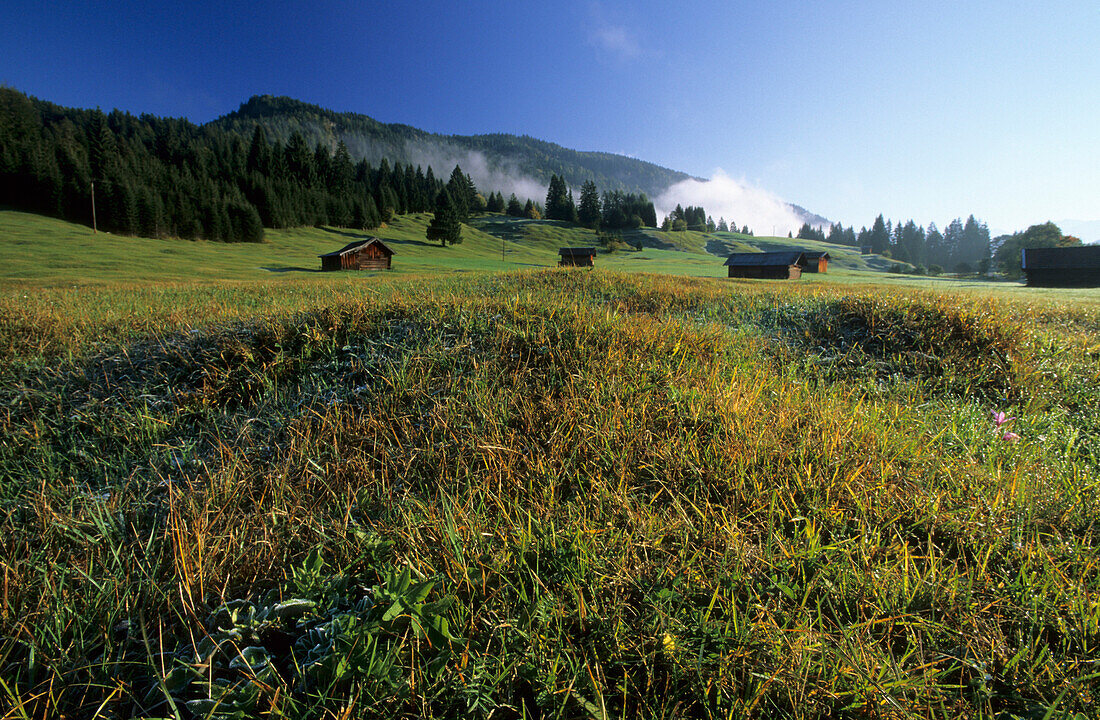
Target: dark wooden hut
pixel 865 250
pixel 1062 266
pixel 767 265
pixel 369 254
pixel 580 256
pixel 816 262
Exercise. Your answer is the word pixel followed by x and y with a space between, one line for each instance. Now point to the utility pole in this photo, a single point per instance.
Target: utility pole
pixel 94 231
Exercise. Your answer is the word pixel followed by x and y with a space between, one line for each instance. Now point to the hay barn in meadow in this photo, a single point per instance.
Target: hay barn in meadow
pixel 369 254
pixel 767 265
pixel 578 256
pixel 1062 266
pixel 816 262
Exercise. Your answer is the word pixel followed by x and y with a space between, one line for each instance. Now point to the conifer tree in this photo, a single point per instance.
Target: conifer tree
pixel 879 237
pixel 589 210
pixel 259 152
pixel 341 170
pixel 463 193
pixel 445 226
pixel 559 201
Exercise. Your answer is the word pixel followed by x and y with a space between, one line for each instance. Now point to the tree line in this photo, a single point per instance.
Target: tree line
pixel 696 218
pixel 164 177
pixel 963 246
pixel 613 210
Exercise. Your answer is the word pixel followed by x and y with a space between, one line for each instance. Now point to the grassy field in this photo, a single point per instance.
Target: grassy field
pixel 231 491
pixel 38 252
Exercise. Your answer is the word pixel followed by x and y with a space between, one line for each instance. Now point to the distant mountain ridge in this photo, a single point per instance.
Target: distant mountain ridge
pixel 505 155
pixel 496 161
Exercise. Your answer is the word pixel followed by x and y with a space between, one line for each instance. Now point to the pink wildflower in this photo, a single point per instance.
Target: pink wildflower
pixel 1011 437
pixel 1000 418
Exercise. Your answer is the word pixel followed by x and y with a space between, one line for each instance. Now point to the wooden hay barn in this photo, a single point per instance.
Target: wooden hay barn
pixel 767 265
pixel 369 254
pixel 816 262
pixel 578 256
pixel 1062 266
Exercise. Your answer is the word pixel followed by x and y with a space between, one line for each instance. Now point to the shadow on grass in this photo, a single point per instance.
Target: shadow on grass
pixel 510 229
pixel 412 242
pixel 286 269
pixel 347 233
pixel 366 236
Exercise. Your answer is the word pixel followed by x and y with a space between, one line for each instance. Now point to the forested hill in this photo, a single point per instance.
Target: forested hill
pixel 506 156
pixel 278 162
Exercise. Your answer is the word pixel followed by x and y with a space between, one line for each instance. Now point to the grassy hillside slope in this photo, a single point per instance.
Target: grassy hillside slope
pixel 41 250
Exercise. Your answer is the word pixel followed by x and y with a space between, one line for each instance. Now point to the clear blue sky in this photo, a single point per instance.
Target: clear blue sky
pixel 924 110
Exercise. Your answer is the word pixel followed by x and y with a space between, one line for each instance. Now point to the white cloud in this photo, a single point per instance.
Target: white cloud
pixel 735 200
pixel 612 36
pixel 617 40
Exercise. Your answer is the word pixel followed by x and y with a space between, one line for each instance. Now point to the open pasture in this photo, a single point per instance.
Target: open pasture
pixel 544 493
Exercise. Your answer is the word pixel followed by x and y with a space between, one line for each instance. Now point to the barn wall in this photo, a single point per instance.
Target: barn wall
pixel 765 272
pixel 376 263
pixel 1063 277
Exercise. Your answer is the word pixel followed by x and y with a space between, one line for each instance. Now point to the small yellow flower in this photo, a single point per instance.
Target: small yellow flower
pixel 668 645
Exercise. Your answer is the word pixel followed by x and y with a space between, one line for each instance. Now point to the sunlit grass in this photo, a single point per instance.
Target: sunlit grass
pixel 547 493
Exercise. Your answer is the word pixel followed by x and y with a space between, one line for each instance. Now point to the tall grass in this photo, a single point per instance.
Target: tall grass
pixel 551 494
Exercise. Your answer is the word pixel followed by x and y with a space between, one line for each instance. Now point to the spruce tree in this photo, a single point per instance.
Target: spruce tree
pixel 589 211
pixel 259 152
pixel 879 238
pixel 463 193
pixel 445 226
pixel 559 202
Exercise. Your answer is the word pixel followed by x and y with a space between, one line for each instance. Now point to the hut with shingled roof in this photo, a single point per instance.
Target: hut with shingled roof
pixel 767 265
pixel 577 256
pixel 369 254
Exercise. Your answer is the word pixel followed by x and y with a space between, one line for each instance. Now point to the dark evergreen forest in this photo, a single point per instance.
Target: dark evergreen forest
pixel 163 177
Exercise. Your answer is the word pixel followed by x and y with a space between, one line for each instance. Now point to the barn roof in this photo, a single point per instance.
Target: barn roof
pixel 575 251
pixel 816 254
pixel 766 259
pixel 351 247
pixel 1061 258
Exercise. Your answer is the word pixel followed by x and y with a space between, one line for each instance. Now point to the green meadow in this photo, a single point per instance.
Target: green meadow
pixel 233 486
